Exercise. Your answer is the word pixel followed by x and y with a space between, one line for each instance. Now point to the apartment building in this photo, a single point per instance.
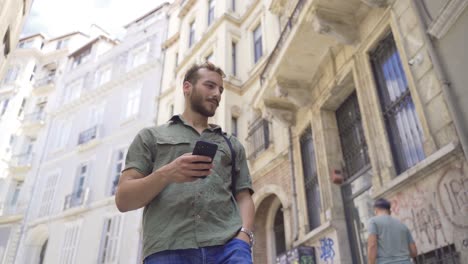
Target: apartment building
pixel 12 16
pixel 105 96
pixel 337 103
pixel 33 68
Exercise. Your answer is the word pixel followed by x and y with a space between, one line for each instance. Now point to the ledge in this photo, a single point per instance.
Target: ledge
pixel 8 219
pixel 316 233
pixel 420 171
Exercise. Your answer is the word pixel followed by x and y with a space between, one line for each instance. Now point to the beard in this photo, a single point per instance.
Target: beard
pixel 198 105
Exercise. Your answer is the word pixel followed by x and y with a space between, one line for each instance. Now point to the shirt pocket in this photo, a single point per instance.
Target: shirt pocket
pixel 169 148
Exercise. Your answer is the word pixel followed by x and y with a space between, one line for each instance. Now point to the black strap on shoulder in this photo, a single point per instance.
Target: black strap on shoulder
pixel 233 167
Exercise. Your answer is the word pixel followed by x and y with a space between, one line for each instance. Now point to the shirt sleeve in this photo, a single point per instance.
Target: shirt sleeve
pixel 244 180
pixel 409 236
pixel 140 154
pixel 372 229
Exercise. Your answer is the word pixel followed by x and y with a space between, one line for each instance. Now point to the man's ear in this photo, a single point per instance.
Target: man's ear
pixel 187 87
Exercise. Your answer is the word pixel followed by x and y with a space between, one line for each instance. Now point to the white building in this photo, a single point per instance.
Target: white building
pixel 12 16
pixel 32 71
pixel 105 96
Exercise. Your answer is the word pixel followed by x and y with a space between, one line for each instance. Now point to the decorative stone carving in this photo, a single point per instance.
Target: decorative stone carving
pixel 277 6
pixel 295 91
pixel 281 109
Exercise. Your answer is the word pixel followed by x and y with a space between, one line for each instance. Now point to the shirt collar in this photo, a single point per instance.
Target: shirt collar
pixel 178 119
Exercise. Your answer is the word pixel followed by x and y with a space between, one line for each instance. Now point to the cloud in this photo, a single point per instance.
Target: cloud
pixel 57 17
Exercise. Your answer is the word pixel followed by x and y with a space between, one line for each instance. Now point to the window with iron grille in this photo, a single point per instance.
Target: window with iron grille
pixel 258 46
pixel 401 121
pixel 442 255
pixel 353 142
pixel 258 137
pixel 311 184
pixel 234 58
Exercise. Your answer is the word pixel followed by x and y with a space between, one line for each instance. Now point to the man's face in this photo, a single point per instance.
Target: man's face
pixel 205 95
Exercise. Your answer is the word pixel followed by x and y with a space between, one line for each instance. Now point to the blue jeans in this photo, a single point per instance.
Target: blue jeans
pixel 236 251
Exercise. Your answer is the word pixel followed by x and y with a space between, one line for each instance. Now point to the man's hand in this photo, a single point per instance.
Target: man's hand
pixel 186 169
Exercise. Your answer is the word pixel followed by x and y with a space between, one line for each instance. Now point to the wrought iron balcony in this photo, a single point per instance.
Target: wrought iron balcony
pixel 77 198
pixel 49 79
pixel 88 135
pixel 21 160
pixel 34 117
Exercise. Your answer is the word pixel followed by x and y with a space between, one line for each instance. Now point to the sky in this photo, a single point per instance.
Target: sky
pixel 57 17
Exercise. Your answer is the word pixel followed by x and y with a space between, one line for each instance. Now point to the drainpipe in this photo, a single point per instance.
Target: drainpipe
pixel 442 77
pixel 293 187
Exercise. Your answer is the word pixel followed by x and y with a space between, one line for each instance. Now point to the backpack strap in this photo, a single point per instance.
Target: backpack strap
pixel 233 163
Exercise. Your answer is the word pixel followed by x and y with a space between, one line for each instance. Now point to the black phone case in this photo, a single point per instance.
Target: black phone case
pixel 204 148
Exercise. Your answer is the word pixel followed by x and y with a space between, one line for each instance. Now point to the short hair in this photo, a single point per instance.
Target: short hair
pixel 192 75
pixel 382 204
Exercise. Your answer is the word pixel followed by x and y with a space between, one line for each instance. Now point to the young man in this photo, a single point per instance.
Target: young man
pixel 189 218
pixel 389 241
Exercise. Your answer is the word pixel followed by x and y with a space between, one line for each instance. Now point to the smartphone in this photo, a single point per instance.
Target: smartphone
pixel 204 148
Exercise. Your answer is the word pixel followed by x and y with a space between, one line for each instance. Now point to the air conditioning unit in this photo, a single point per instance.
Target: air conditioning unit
pixel 301 254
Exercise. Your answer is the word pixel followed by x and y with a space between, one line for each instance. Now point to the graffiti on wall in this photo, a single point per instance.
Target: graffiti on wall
pixel 432 208
pixel 327 253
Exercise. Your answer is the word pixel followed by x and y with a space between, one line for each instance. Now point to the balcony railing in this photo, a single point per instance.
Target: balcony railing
pixel 77 198
pixel 292 20
pixel 45 81
pixel 88 135
pixel 34 117
pixel 21 160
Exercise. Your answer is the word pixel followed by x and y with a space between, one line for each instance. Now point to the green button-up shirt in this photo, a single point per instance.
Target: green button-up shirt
pixel 194 214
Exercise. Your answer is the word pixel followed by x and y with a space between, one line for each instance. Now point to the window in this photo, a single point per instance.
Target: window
pixel 191 34
pixel 211 10
pixel 401 121
pixel 76 198
pixel 278 229
pixel 6 43
pixel 234 129
pixel 15 195
pixel 133 103
pixel 62 44
pixel 96 114
pixel 233 5
pixel 3 106
pixel 139 56
pixel 353 142
pixel 81 58
pixel 103 75
pixel 257 37
pixel 33 73
pixel 110 240
pixel 48 195
pixel 21 109
pixel 176 59
pixel 117 167
pixel 72 91
pixel 11 74
pixel 234 58
pixel 43 251
pixel 258 137
pixel 63 129
pixel 311 184
pixel 69 244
